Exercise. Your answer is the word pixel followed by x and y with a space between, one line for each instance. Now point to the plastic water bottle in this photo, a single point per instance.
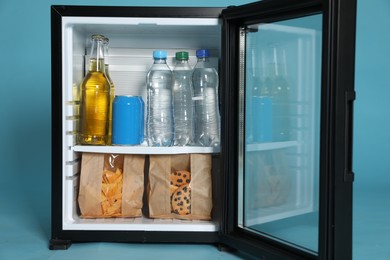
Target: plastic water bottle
pixel 182 100
pixel 279 92
pixel 206 113
pixel 159 118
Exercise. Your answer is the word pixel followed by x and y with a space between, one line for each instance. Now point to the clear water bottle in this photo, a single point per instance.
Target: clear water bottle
pixel 182 100
pixel 277 88
pixel 159 118
pixel 206 113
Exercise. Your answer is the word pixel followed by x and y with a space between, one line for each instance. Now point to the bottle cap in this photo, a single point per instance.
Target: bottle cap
pixel 202 53
pixel 159 54
pixel 98 37
pixel 182 55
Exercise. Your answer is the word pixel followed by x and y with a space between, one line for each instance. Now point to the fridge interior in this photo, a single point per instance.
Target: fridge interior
pixel 132 41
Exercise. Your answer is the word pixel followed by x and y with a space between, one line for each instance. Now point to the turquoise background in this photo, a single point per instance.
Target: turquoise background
pixel 25 132
pixel 372 106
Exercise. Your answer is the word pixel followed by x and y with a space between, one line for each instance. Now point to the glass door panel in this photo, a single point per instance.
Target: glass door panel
pixel 279 130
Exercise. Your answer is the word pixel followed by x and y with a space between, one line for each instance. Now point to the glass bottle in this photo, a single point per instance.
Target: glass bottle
pixel 112 89
pixel 95 98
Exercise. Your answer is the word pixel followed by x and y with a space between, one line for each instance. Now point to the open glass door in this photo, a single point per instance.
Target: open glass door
pixel 288 95
pixel 279 136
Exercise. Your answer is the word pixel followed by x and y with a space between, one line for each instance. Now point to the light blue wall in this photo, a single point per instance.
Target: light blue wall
pixel 25 131
pixel 372 107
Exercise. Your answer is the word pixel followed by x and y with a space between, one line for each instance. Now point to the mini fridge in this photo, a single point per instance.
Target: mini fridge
pixel 282 176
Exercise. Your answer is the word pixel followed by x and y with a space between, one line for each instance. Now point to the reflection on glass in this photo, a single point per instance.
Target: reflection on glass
pixel 282 114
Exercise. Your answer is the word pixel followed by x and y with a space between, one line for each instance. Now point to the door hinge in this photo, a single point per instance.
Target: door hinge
pixel 250 29
pixel 349 176
pixel 350 95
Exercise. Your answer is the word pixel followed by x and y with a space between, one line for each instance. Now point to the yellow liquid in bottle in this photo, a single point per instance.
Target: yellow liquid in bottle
pixel 112 95
pixel 95 106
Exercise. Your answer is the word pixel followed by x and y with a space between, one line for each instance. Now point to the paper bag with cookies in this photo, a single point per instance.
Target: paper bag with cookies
pixel 111 185
pixel 180 186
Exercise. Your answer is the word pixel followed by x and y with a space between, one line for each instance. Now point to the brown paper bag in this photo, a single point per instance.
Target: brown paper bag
pixel 111 185
pixel 180 186
pixel 269 180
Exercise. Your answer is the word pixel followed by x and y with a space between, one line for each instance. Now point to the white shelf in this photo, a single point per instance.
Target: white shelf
pixel 141 149
pixel 270 146
pixel 140 224
pixel 269 214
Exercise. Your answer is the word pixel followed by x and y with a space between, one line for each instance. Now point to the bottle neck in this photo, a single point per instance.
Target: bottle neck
pixel 203 59
pixel 276 70
pixel 182 65
pixel 97 56
pixel 202 62
pixel 105 51
pixel 182 61
pixel 160 61
pixel 96 65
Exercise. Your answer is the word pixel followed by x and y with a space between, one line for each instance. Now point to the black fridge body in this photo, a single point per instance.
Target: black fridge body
pixel 282 176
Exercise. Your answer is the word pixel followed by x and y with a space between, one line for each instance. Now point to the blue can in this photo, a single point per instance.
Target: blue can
pixel 262 118
pixel 127 120
pixel 142 119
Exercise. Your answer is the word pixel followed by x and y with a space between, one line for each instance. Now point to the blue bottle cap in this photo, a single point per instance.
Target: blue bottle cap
pixel 159 54
pixel 202 53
